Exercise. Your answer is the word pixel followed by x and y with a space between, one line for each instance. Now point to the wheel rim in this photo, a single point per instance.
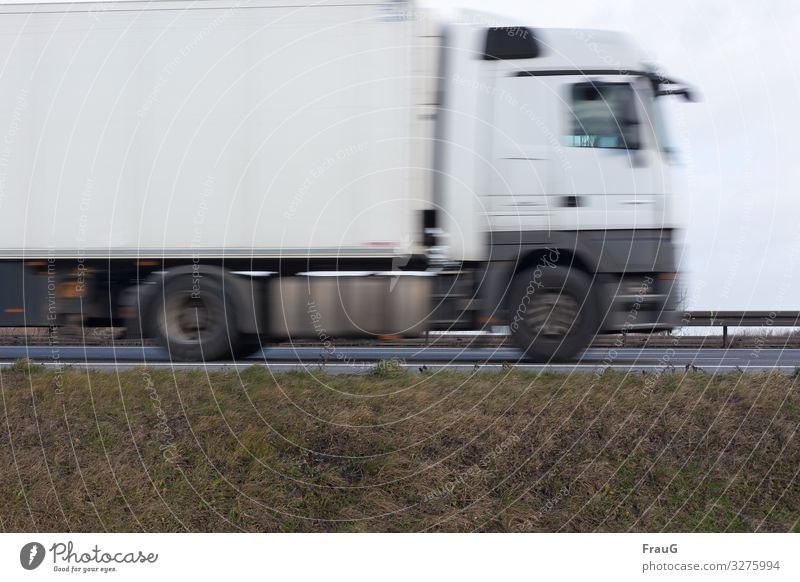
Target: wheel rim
pixel 188 319
pixel 552 314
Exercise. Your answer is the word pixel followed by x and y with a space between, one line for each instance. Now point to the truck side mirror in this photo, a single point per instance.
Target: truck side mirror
pixel 684 92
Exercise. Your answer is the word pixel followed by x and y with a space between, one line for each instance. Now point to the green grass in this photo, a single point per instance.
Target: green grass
pixel 389 451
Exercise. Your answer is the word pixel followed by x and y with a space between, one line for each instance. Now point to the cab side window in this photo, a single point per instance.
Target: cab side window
pixel 602 115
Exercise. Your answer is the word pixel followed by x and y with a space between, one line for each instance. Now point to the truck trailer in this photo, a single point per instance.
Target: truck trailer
pixel 223 174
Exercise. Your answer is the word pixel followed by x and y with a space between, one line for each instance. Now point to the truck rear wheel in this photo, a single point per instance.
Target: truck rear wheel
pixel 553 312
pixel 194 321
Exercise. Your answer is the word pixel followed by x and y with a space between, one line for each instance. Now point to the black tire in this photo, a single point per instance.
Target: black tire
pixel 194 320
pixel 553 312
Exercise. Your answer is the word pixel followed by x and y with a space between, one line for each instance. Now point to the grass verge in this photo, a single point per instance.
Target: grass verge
pixel 188 451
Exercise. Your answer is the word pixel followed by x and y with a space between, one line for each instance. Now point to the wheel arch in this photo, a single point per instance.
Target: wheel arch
pixel 560 257
pixel 545 255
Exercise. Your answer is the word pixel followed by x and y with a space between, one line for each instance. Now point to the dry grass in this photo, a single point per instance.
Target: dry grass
pixel 164 451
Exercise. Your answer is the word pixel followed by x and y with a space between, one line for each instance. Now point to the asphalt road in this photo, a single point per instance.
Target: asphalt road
pixel 363 359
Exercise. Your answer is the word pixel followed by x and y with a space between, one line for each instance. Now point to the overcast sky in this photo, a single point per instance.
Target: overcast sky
pixel 739 146
pixel 740 173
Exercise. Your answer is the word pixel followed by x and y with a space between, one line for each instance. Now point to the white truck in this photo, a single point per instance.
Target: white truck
pixel 220 174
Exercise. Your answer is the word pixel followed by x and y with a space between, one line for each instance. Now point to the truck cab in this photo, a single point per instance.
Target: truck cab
pixel 555 175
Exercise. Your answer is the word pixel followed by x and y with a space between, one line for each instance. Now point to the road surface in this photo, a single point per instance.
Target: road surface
pixel 363 359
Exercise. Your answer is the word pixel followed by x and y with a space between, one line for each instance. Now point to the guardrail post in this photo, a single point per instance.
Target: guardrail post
pixel 724 336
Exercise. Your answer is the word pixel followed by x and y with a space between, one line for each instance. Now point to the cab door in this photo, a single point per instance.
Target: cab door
pixel 608 151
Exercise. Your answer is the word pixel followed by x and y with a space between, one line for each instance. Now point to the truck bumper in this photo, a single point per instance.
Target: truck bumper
pixel 639 303
pixel 633 273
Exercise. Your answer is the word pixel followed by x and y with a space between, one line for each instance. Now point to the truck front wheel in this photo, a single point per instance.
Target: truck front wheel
pixel 553 312
pixel 194 321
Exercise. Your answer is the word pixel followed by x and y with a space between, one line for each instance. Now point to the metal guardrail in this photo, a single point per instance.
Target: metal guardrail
pixel 723 319
pixel 726 319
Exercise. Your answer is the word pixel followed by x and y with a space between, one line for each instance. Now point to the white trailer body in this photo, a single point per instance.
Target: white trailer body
pixel 213 128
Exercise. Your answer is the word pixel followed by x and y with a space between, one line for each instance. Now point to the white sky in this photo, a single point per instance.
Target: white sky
pixel 740 176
